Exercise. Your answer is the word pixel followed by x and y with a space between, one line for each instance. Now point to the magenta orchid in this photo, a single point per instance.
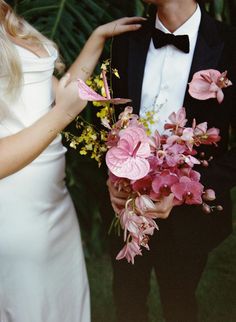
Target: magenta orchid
pixel 188 191
pixel 162 183
pixel 209 84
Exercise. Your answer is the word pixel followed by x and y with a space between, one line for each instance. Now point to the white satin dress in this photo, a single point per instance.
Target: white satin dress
pixel 42 269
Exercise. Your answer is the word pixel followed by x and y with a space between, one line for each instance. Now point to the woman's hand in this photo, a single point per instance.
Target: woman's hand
pixel 119 26
pixel 85 63
pixel 67 97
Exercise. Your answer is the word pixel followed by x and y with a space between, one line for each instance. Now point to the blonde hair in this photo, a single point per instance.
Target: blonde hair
pixel 15 26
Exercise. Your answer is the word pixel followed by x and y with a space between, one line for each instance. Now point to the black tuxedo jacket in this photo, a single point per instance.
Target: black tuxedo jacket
pixel 215 49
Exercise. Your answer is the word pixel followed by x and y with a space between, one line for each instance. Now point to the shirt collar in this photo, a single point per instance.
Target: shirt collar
pixel 190 27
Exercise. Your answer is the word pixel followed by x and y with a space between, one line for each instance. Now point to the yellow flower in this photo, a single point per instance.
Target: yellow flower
pixel 73 144
pixel 83 152
pixel 115 72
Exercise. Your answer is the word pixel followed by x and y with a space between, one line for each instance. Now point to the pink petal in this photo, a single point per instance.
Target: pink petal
pixel 87 94
pixel 130 168
pixel 203 84
pixel 220 96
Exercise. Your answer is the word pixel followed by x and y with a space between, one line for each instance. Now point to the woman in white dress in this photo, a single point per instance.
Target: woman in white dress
pixel 42 270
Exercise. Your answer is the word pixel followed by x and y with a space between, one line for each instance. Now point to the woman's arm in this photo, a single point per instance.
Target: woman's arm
pixel 18 150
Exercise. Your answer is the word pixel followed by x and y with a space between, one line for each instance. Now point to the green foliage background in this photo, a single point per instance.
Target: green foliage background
pixel 69 23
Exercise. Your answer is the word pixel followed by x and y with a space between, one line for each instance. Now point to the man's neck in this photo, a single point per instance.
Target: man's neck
pixel 174 14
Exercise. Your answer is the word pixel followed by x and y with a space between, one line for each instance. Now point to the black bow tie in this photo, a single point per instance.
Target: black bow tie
pixel 161 39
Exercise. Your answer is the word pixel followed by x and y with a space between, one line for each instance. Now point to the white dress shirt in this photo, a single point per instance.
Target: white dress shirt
pixel 166 74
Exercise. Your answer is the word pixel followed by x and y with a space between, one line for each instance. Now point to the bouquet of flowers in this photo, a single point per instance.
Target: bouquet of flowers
pixel 150 167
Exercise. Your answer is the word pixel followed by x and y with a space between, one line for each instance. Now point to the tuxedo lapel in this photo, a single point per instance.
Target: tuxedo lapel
pixel 138 48
pixel 207 52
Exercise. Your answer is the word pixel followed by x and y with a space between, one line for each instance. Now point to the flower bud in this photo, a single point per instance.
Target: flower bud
pixel 209 195
pixel 206 208
pixel 204 163
pixel 219 207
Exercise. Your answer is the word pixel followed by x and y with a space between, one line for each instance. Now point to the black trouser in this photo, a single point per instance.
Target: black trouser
pixel 178 267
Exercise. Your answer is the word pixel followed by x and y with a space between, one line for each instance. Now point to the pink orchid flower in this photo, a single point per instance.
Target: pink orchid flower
pixel 212 136
pixel 162 183
pixel 155 141
pixel 129 158
pixel 188 191
pixel 209 84
pixel 129 251
pixel 202 135
pixel 88 94
pixel 126 116
pixel 188 172
pixel 144 204
pixel 173 154
pixel 143 185
pixel 178 121
pixel 149 225
pixel 130 222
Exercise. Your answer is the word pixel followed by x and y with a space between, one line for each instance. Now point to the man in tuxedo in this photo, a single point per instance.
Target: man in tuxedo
pixel 155 76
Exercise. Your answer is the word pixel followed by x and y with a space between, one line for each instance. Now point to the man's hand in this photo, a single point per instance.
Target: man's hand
pixel 119 198
pixel 163 207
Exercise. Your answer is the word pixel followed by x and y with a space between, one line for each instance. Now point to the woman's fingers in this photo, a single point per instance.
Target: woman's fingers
pixel 129 20
pixel 127 24
pixel 120 26
pixel 120 29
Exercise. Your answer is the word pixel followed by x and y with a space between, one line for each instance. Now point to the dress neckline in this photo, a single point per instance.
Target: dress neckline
pixel 34 54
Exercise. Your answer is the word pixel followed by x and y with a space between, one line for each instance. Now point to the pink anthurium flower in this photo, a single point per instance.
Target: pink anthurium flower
pixel 88 94
pixel 208 84
pixel 129 158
